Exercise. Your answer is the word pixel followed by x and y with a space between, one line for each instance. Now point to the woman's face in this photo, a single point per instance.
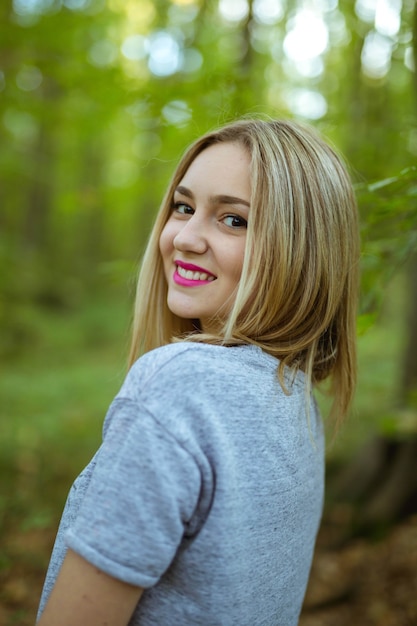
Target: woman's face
pixel 203 242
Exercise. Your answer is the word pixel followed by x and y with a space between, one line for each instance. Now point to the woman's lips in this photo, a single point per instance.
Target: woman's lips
pixel 190 275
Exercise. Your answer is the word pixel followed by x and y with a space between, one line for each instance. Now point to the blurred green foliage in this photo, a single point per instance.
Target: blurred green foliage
pixel 389 233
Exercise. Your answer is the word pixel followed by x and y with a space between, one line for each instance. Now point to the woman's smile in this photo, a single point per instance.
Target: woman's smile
pixel 190 275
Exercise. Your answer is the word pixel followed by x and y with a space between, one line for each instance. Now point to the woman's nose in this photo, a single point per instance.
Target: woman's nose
pixel 192 236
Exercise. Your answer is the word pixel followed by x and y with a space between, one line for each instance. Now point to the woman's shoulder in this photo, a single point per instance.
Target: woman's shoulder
pixel 179 350
pixel 181 355
pixel 189 363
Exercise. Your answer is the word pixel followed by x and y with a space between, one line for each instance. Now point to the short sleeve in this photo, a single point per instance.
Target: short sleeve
pixel 143 492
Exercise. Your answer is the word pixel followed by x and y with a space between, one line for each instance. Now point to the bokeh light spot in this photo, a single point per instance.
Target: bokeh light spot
pixel 29 78
pixel 102 53
pixel 376 55
pixel 306 103
pixel 165 55
pixel 268 11
pixel 135 47
pixel 234 10
pixel 177 112
pixel 307 37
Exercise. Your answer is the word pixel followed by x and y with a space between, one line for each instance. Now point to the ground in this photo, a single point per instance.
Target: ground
pixel 366 582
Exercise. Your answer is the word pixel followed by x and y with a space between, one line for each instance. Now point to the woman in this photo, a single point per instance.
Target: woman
pixel 202 505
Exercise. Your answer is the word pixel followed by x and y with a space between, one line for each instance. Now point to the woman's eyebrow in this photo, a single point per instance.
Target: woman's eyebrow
pixel 184 191
pixel 218 199
pixel 225 199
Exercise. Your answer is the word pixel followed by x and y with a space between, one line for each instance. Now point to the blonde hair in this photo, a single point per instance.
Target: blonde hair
pixel 297 296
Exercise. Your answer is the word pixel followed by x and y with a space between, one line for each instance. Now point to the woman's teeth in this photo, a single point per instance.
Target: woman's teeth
pixel 189 275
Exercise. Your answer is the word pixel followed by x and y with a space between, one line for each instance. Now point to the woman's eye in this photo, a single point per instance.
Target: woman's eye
pixel 235 221
pixel 182 208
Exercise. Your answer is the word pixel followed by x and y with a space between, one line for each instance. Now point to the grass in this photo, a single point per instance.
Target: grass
pixel 53 398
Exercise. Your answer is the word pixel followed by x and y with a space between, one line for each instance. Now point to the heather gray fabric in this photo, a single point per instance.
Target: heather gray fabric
pixel 207 490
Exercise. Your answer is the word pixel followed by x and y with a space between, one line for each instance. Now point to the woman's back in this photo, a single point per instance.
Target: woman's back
pixel 219 482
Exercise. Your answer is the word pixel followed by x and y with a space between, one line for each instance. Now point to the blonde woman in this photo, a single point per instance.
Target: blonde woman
pixel 202 505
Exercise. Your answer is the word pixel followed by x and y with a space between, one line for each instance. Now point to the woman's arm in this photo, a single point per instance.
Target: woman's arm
pixel 85 596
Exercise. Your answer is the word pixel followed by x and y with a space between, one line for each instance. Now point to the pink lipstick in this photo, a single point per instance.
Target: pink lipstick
pixel 192 267
pixel 190 275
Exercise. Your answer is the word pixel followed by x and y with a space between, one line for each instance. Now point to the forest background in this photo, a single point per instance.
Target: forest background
pixel 97 102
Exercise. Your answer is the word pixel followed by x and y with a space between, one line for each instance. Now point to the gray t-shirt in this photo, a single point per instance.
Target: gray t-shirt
pixel 207 490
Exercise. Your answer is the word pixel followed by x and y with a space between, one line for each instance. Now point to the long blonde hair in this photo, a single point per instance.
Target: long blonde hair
pixel 297 296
